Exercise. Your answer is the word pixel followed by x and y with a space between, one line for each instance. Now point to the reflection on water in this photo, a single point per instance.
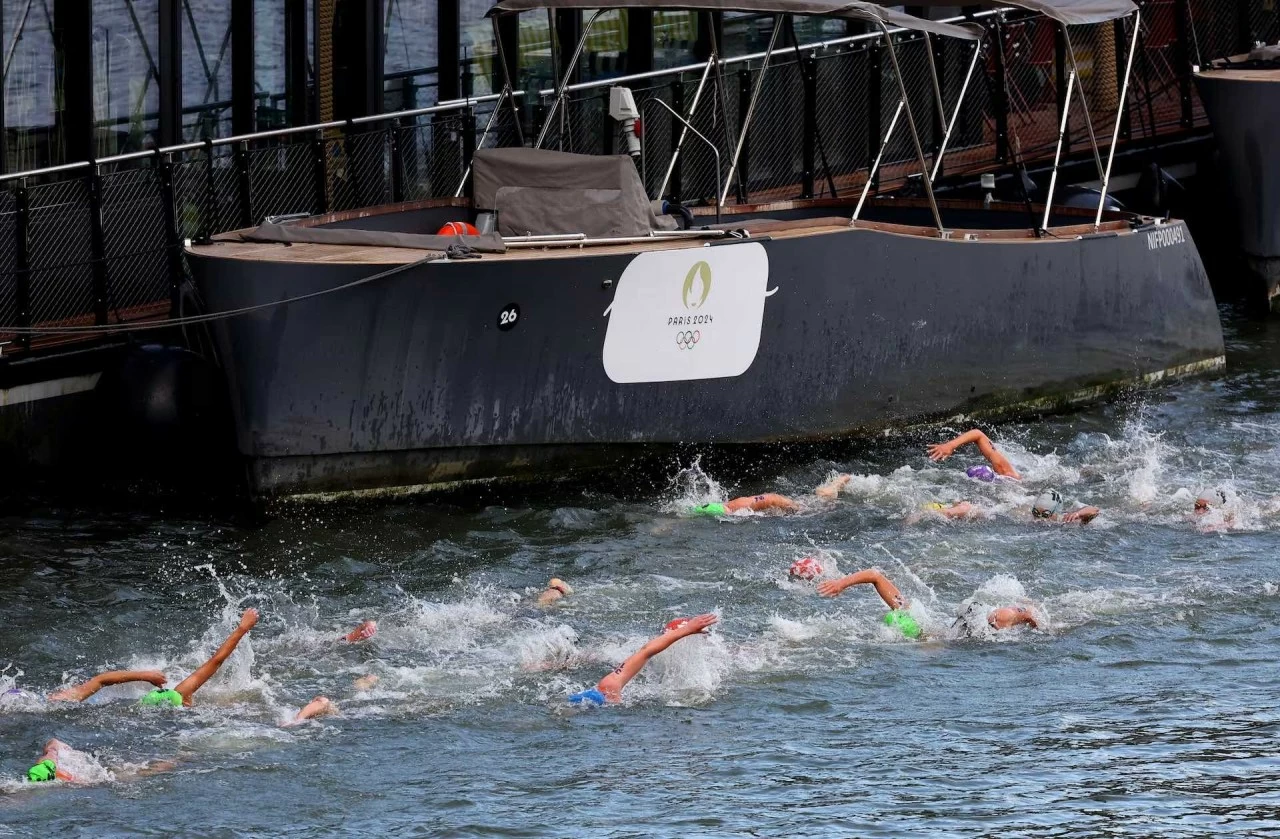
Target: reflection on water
pixel 1148 707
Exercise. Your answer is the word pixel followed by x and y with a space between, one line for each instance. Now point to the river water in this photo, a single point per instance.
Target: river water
pixel 1150 707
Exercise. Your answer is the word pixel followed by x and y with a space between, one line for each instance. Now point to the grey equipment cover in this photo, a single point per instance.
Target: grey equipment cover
pixel 538 191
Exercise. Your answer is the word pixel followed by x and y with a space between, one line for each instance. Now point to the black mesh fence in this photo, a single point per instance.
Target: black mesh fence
pixel 282 180
pixel 134 241
pixel 60 234
pixel 8 264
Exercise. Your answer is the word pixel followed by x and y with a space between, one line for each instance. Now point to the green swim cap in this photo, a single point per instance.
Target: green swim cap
pixel 904 623
pixel 45 770
pixel 160 697
pixel 712 509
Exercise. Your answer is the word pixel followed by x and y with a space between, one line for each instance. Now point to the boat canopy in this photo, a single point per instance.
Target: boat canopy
pixel 849 9
pixel 1073 12
pixel 540 192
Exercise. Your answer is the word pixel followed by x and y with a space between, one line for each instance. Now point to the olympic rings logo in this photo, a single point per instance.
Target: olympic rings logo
pixel 686 340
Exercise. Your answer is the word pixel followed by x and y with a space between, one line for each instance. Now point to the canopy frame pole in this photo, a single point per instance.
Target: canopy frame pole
pixel 722 98
pixel 875 166
pixel 689 126
pixel 561 86
pixel 1115 133
pixel 484 135
pixel 933 75
pixel 508 88
pixel 751 107
pixel 684 132
pixel 1084 101
pixel 1057 155
pixel 911 124
pixel 964 88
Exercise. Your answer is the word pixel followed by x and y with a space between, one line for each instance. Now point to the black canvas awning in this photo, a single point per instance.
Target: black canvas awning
pixel 849 9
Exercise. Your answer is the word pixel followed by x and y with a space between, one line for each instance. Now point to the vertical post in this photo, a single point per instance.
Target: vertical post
pixel 809 82
pixel 744 140
pixel 243 104
pixel 1124 89
pixel 397 162
pixel 938 69
pixel 244 184
pixel 320 173
pixel 639 40
pixel 1122 116
pixel 4 155
pixel 677 135
pixel 1182 59
pixel 170 69
pixel 468 143
pixel 172 236
pixel 448 79
pixel 1000 96
pixel 349 152
pixel 73 59
pixel 1244 26
pixel 506 35
pixel 357 58
pixel 209 218
pixel 97 246
pixel 1057 155
pixel 606 129
pixel 1060 61
pixel 22 259
pixel 295 62
pixel 751 104
pixel 875 103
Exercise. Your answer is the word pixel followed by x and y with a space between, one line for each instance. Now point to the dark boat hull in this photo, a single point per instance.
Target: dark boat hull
pixel 410 381
pixel 1244 109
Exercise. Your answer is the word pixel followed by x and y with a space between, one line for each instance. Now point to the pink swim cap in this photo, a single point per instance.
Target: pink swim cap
pixel 806 568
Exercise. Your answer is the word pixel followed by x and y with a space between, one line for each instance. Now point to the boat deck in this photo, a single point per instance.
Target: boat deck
pixel 313 253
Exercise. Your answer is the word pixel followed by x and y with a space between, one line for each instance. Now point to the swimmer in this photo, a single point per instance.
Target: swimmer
pixel 609 689
pixel 363 632
pixel 999 464
pixel 1050 505
pixel 832 488
pixel 1007 617
pixel 318 707
pixel 769 502
pixel 806 568
pixel 898 616
pixel 46 767
pixel 956 510
pixel 181 696
pixel 84 690
pixel 556 589
pixel 1208 499
pixel 53 764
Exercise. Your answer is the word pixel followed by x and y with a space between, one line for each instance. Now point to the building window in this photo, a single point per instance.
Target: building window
pixel 126 81
pixel 675 39
pixel 206 70
pixel 411 58
pixel 32 89
pixel 476 50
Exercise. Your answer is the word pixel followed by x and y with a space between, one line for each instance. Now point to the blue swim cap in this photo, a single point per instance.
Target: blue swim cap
pixel 982 473
pixel 592 698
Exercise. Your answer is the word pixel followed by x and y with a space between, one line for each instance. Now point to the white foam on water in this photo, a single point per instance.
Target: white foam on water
pixel 692 487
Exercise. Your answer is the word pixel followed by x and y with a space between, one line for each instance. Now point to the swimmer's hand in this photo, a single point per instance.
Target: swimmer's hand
pixel 1084 515
pixel 695 625
pixel 832 488
pixel 363 632
pixel 248 619
pixel 831 588
pixel 939 452
pixel 155 677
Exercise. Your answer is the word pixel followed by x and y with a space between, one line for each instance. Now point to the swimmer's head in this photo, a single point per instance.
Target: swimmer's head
pixel 560 585
pixel 1048 505
pixel 904 623
pixel 982 473
pixel 162 697
pixel 713 509
pixel 674 624
pixel 1210 498
pixel 591 698
pixel 45 770
pixel 805 568
pixel 933 507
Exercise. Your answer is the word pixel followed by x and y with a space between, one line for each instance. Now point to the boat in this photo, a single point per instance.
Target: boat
pixel 585 323
pixel 1241 97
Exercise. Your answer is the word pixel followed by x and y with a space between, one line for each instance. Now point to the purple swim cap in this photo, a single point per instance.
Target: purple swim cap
pixel 982 473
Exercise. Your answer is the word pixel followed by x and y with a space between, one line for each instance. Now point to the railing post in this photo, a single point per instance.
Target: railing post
pixel 172 236
pixel 938 45
pixel 677 171
pixel 97 247
pixel 244 184
pixel 875 103
pixel 1122 55
pixel 1000 96
pixel 1182 58
pixel 1059 73
pixel 744 159
pixel 349 151
pixel 22 259
pixel 320 173
pixel 1244 26
pixel 468 142
pixel 209 218
pixel 397 163
pixel 809 82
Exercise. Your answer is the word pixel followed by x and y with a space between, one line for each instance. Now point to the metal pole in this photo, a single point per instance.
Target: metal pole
pixel 875 166
pixel 911 124
pixel 933 76
pixel 1115 134
pixel 564 80
pixel 684 131
pixel 751 107
pixel 1084 102
pixel 714 151
pixel 1057 155
pixel 946 137
pixel 506 89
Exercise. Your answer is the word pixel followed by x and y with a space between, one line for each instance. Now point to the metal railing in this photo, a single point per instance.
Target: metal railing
pixel 99 241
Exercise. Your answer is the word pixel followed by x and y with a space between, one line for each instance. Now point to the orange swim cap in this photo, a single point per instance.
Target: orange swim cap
pixel 806 568
pixel 673 625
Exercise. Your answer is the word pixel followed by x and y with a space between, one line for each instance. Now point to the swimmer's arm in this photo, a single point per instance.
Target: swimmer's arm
pixel 773 501
pixel 887 590
pixel 83 691
pixel 548 597
pixel 611 685
pixel 188 686
pixel 832 488
pixel 958 510
pixel 1084 515
pixel 1000 463
pixel 318 707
